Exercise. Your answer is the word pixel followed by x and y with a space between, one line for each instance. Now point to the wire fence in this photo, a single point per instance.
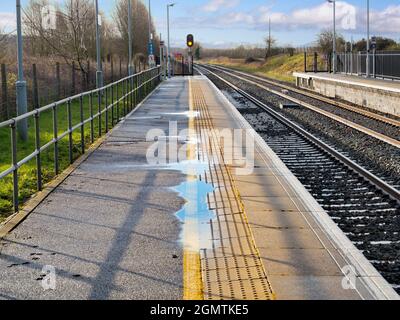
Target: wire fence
pixel 52 81
pixel 316 62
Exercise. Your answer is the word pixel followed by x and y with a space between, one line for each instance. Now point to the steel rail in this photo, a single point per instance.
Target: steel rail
pixel 342 105
pixel 372 133
pixel 376 181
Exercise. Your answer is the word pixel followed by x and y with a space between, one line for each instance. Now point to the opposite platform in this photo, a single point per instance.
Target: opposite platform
pixel 375 94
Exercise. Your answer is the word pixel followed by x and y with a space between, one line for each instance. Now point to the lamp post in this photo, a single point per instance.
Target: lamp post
pixel 169 44
pixel 368 44
pixel 22 104
pixel 131 68
pixel 151 47
pixel 334 36
pixel 99 71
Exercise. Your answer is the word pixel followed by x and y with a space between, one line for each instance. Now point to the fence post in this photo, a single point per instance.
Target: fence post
pixel 305 61
pixel 73 86
pixel 112 70
pixel 83 81
pixel 35 88
pixel 58 81
pixel 315 62
pixel 88 76
pixel 374 62
pixel 4 90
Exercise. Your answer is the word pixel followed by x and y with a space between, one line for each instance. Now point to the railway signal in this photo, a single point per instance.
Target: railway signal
pixel 190 40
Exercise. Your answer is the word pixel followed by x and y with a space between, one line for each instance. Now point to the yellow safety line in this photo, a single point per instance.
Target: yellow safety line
pixel 192 281
pixel 239 199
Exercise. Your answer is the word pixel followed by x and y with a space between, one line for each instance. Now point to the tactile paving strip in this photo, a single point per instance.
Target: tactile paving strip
pixel 232 268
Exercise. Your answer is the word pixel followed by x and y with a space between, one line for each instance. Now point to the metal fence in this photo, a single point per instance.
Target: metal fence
pixel 48 81
pixel 96 110
pixel 385 65
pixel 182 67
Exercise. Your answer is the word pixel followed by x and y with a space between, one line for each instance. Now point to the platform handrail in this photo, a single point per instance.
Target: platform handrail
pixel 126 93
pixel 385 65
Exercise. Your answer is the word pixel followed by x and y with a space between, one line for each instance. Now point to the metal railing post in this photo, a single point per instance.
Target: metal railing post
pixel 55 137
pixel 117 102
pixel 112 105
pixel 14 163
pixel 70 141
pixel 99 101
pixel 124 96
pixel 37 145
pixel 106 105
pixel 91 117
pixel 82 125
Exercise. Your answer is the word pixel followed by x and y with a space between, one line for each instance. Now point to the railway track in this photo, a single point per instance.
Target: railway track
pixel 364 206
pixel 380 127
pixel 379 157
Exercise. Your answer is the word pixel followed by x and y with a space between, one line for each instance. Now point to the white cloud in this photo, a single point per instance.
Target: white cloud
pixel 387 20
pixel 237 17
pixel 215 5
pixel 7 21
pixel 317 17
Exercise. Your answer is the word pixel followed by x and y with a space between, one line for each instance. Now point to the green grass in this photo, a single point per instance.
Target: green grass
pixel 280 67
pixel 28 172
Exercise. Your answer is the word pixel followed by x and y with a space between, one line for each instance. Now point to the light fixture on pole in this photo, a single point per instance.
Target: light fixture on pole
pixel 334 36
pixel 169 44
pixel 131 68
pixel 22 104
pixel 99 71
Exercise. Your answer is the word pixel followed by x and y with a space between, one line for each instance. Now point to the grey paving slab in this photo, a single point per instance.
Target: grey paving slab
pixel 110 229
pixel 302 287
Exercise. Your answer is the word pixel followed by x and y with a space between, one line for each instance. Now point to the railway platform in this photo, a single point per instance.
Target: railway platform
pixel 376 94
pixel 183 200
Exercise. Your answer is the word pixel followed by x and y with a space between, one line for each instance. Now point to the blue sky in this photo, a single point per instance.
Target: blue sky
pixel 224 23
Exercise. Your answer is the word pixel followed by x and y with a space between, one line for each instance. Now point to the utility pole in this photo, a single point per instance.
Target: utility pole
pixel 368 45
pixel 269 36
pixel 169 44
pixel 99 71
pixel 161 57
pixel 334 36
pixel 151 48
pixel 130 53
pixel 22 104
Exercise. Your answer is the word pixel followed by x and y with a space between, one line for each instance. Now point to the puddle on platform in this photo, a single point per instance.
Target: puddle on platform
pixel 188 114
pixel 188 167
pixel 195 214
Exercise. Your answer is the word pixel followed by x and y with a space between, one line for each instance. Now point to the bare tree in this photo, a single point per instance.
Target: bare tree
pixel 3 42
pixel 269 41
pixel 73 39
pixel 325 41
pixel 270 44
pixel 140 27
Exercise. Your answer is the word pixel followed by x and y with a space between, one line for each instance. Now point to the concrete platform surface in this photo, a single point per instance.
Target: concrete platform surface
pixel 386 85
pixel 375 94
pixel 122 227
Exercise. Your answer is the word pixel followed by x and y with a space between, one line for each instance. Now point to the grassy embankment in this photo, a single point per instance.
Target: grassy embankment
pixel 280 67
pixel 27 173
